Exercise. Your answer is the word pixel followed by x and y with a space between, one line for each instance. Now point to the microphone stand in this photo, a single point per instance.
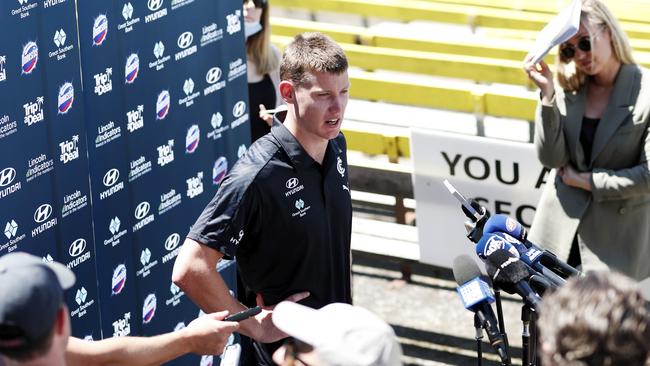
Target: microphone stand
pixel 529 336
pixel 502 324
pixel 479 340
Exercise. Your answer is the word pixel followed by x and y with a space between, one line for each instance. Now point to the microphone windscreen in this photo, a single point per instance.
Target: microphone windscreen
pixel 509 269
pixel 465 269
pixel 494 241
pixel 501 223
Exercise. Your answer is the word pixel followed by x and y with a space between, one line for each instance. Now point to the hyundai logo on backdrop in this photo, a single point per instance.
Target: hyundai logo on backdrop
pixel 66 97
pixel 100 30
pixel 111 177
pixel 142 210
pixel 154 5
pixel 29 57
pixel 185 40
pixel 77 247
pixel 172 242
pixel 7 175
pixel 42 213
pixel 239 109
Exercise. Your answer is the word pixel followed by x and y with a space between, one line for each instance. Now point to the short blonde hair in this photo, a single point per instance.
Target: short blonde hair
pixel 595 13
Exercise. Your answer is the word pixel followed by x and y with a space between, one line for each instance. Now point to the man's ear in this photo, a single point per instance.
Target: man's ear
pixel 287 91
pixel 61 319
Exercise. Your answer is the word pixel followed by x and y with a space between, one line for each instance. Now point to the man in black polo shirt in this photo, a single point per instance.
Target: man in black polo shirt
pixel 284 210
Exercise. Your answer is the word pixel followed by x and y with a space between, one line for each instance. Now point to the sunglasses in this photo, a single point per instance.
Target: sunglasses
pixel 568 51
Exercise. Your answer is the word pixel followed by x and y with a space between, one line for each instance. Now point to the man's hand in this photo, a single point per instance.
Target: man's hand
pixel 208 334
pixel 267 332
pixel 573 178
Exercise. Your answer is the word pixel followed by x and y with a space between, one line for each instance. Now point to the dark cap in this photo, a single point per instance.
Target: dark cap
pixel 31 293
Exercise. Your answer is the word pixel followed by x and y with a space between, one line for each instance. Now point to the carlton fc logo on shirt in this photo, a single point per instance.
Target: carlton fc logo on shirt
pixel 131 68
pixel 66 97
pixel 339 166
pixel 100 30
pixel 29 58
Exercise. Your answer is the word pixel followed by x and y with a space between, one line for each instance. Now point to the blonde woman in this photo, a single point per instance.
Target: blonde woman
pixel 263 61
pixel 592 127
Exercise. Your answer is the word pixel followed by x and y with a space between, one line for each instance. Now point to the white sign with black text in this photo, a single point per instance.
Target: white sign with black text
pixel 504 176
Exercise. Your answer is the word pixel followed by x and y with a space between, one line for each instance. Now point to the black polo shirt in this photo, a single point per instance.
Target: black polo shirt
pixel 286 218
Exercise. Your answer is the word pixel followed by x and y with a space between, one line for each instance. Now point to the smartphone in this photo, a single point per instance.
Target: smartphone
pixel 477 215
pixel 243 315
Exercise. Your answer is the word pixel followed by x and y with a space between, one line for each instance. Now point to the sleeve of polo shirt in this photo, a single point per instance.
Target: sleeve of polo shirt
pixel 229 219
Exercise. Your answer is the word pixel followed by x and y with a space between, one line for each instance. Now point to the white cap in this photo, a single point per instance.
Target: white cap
pixel 341 334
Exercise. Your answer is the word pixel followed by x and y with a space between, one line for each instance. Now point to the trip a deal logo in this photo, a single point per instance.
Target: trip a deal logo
pixel 100 30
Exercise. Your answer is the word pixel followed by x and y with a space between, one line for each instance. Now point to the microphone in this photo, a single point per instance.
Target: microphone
pixel 510 274
pixel 476 295
pixel 491 242
pixel 503 224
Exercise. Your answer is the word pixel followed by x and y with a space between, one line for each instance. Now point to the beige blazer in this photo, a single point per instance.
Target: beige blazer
pixel 613 221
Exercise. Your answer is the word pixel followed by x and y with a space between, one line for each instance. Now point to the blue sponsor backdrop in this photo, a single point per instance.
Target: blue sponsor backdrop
pixel 141 111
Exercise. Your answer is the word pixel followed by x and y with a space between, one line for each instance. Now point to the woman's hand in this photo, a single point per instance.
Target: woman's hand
pixel 266 116
pixel 542 76
pixel 573 178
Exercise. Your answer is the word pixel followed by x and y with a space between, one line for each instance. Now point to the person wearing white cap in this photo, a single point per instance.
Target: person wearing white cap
pixel 35 325
pixel 336 335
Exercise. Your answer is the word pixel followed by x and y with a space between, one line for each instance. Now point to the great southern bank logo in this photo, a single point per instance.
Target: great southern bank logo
pixel 100 30
pixel 66 97
pixel 29 58
pixel 131 68
pixel 162 104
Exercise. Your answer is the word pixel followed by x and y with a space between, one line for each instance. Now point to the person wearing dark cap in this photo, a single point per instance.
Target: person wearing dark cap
pixel 35 325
